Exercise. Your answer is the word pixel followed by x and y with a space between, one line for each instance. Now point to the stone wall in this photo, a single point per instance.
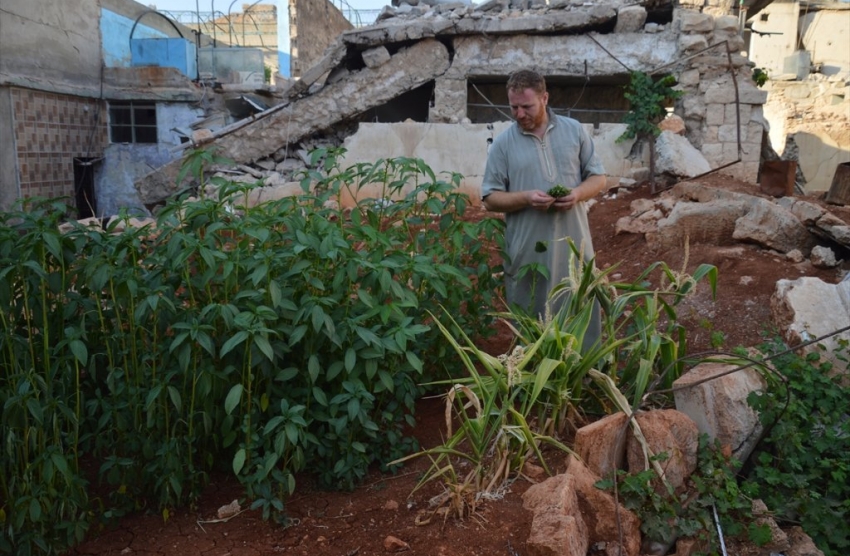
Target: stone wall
pixel 313 25
pixel 721 107
pixel 810 123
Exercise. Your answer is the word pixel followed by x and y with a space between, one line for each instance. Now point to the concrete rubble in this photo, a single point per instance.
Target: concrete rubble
pixel 423 58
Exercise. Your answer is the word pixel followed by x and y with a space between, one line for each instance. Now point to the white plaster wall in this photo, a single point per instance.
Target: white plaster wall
pixel 826 34
pixel 462 148
pixel 769 51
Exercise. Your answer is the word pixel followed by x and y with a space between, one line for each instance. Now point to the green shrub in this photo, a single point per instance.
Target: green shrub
pixel 278 338
pixel 801 468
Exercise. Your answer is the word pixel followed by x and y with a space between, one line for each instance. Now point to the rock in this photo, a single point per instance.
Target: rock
pixel 823 257
pixel 601 513
pixel 808 308
pixel 375 57
pixel 393 544
pixel 390 505
pixel 532 471
pixel 229 510
pixel 677 157
pixel 602 444
pixel 778 539
pixel 719 406
pixel 673 123
pixel 557 527
pixel 801 543
pixel 673 433
pixel 774 227
pixel 630 19
pixel 710 222
pixel 795 256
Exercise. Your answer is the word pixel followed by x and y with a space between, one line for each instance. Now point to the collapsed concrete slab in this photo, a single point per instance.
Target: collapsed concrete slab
pixel 287 124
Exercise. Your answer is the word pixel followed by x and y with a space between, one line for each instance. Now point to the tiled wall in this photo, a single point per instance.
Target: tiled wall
pixel 50 131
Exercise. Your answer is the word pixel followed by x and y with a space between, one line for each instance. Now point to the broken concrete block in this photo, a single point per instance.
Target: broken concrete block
pixel 375 57
pixel 630 19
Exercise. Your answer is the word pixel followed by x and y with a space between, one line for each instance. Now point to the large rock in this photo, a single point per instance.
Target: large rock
pixel 712 222
pixel 677 157
pixel 601 512
pixel 772 226
pixel 808 308
pixel 557 528
pixel 719 406
pixel 671 432
pixel 602 444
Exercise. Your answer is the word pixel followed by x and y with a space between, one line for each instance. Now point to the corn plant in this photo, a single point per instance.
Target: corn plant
pixel 511 405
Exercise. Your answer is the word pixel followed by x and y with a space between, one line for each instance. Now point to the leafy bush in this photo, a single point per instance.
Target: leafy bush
pixel 288 336
pixel 666 515
pixel 801 469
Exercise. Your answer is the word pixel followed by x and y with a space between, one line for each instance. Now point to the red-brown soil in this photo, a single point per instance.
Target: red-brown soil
pixel 357 523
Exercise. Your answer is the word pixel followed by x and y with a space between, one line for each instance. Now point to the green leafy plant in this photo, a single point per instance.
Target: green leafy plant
pixel 509 406
pixel 760 77
pixel 666 514
pixel 648 100
pixel 800 469
pixel 277 338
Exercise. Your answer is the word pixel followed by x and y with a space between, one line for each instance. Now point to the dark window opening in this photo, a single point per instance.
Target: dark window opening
pixel 763 16
pixel 413 105
pixel 84 187
pixel 594 101
pixel 132 122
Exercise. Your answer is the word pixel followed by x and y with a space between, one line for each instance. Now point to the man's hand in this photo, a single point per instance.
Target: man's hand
pixel 564 203
pixel 539 200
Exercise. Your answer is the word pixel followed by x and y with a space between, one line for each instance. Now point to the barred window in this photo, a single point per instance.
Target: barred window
pixel 132 122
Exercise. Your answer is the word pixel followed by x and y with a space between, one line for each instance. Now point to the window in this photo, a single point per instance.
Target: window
pixel 132 122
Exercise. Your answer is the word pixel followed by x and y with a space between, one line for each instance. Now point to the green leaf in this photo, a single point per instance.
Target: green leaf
pixel 80 351
pixel 350 359
pixel 239 461
pixel 234 341
pixel 233 398
pixel 264 346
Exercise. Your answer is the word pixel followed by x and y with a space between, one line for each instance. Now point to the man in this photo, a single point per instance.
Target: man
pixel 539 151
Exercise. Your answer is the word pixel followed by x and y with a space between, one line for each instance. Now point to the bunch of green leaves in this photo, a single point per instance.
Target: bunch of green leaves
pixel 648 99
pixel 277 337
pixel 801 469
pixel 509 406
pixel 43 498
pixel 665 514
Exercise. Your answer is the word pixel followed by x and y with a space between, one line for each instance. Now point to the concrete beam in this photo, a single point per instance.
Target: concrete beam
pixel 278 126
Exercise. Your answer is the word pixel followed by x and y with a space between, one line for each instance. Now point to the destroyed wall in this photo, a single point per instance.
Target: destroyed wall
pixel 805 51
pixel 439 52
pixel 313 25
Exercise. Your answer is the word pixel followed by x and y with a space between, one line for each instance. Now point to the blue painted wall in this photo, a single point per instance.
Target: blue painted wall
pixel 115 30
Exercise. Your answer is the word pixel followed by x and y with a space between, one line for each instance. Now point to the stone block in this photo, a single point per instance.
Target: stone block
pixel 375 57
pixel 693 108
pixel 772 226
pixel 729 133
pixel 715 114
pixel 677 157
pixel 630 19
pixel 692 43
pixel 602 444
pixel 721 92
pixel 689 78
pixel 713 153
pixel 695 22
pixel 730 152
pixel 719 406
pixel 741 115
pixel 748 93
pixel 751 152
pixel 726 23
pixel 671 432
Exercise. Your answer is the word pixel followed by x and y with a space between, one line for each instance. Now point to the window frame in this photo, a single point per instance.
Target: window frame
pixel 138 129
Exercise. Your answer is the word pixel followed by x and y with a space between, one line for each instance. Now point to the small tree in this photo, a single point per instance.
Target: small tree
pixel 649 99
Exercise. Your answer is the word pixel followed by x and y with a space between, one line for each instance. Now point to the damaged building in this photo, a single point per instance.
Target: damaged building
pixel 426 80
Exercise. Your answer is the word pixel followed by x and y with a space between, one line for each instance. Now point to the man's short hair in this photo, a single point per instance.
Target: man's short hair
pixel 526 79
